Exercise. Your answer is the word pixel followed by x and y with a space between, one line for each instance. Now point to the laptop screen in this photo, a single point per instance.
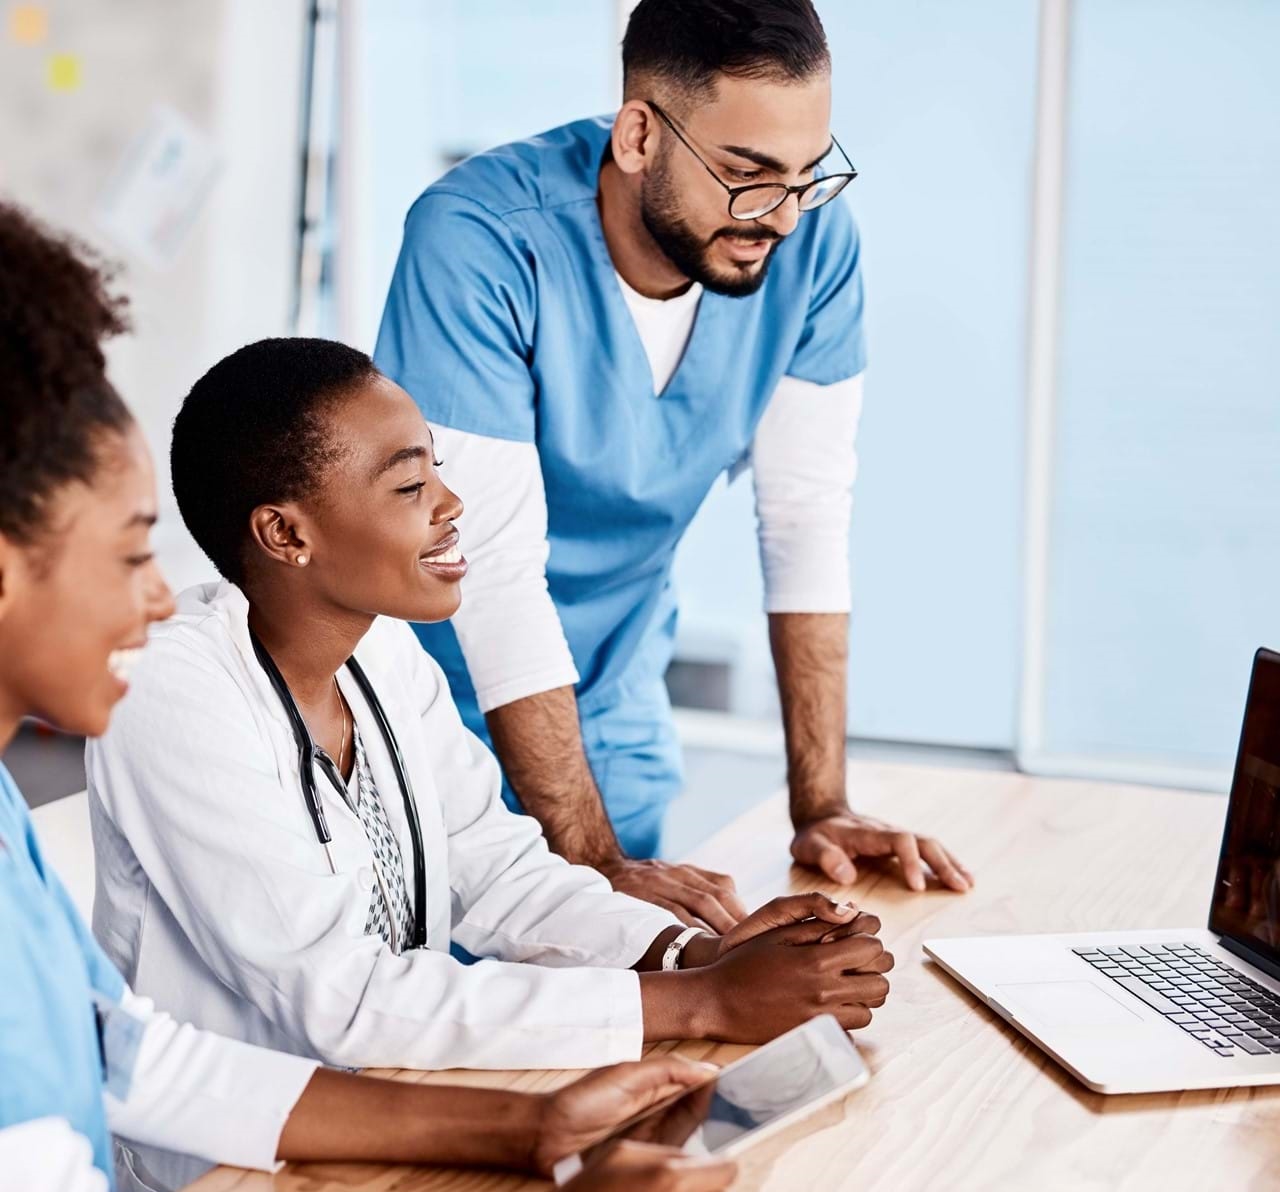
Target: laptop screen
pixel 1246 895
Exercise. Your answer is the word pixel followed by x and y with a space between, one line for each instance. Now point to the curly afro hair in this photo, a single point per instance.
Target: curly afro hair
pixel 252 432
pixel 56 308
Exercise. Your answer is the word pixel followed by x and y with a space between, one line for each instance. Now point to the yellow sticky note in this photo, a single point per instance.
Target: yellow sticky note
pixel 64 72
pixel 28 24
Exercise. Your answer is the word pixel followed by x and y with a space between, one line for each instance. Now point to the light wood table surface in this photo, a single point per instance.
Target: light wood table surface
pixel 958 1099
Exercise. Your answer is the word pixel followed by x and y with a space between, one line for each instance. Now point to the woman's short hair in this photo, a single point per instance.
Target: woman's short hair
pixel 56 308
pixel 251 432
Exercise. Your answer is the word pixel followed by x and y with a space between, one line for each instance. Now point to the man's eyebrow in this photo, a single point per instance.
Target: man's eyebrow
pixel 817 161
pixel 398 457
pixel 761 159
pixel 772 163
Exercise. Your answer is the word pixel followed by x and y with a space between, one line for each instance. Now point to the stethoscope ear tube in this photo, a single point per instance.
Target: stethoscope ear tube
pixel 311 796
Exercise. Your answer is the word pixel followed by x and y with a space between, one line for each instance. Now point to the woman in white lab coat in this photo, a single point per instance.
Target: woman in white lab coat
pixel 310 481
pixel 81 1055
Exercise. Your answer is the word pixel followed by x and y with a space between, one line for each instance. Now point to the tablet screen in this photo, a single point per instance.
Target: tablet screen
pixel 795 1070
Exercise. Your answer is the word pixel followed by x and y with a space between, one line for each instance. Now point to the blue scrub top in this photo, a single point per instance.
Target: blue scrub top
pixel 505 318
pixel 50 971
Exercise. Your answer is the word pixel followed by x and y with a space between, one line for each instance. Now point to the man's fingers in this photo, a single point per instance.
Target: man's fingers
pixel 907 851
pixel 724 887
pixel 719 886
pixel 733 904
pixel 687 917
pixel 706 906
pixel 815 848
pixel 942 863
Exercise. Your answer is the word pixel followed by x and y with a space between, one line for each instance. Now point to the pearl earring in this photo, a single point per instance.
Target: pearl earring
pixel 302 560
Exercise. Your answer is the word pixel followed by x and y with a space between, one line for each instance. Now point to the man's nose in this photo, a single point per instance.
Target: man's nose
pixel 783 218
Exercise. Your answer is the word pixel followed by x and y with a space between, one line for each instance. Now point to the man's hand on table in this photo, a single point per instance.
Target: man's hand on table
pixel 697 897
pixel 832 843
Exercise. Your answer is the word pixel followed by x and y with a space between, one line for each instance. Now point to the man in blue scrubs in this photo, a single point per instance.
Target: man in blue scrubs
pixel 600 321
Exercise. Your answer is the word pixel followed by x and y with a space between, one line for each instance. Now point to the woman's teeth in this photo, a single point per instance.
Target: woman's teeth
pixel 122 662
pixel 452 555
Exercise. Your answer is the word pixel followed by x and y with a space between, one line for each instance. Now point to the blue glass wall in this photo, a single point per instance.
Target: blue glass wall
pixel 1165 535
pixel 934 102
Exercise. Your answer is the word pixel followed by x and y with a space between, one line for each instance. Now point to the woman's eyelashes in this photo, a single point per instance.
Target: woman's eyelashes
pixel 412 490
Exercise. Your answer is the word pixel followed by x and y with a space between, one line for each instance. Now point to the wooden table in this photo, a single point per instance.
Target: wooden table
pixel 957 1098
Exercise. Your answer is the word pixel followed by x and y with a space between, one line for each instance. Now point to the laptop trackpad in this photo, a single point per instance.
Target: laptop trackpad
pixel 1065 1003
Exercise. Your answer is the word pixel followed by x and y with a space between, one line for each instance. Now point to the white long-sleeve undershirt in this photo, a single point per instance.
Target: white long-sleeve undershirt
pixel 200 1094
pixel 803 461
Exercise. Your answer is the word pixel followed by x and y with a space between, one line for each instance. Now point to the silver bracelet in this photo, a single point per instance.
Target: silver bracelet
pixel 675 949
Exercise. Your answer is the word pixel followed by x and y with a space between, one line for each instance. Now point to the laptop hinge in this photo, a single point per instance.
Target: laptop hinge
pixel 1268 966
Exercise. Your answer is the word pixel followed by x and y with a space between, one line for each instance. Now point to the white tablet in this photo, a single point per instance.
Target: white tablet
pixel 797 1073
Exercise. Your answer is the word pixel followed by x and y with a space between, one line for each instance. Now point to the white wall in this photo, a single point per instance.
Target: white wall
pixel 233 67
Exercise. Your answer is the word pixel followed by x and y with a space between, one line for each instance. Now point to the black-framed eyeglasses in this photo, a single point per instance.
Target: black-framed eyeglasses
pixel 759 198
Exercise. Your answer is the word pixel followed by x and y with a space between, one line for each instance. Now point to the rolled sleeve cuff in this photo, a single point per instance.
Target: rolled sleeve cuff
pixel 807 576
pixel 562 673
pixel 246 1125
pixel 205 1095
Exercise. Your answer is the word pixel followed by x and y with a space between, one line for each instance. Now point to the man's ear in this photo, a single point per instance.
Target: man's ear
pixel 635 137
pixel 279 532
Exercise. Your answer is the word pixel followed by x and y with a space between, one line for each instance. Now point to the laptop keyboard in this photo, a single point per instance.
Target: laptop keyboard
pixel 1208 999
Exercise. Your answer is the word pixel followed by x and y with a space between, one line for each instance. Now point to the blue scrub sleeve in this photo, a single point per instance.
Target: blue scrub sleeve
pixel 104 977
pixel 832 347
pixel 458 324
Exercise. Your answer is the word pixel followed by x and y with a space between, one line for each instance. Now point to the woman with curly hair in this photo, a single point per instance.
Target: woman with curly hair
pixel 80 1054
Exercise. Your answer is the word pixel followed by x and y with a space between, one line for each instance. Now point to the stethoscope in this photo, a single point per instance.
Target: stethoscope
pixel 310 755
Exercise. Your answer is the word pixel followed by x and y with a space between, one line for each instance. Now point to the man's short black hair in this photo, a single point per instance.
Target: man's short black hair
pixel 56 308
pixel 252 432
pixel 687 43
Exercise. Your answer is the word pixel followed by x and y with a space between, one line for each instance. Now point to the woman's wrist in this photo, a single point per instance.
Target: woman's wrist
pixel 506 1132
pixel 489 1127
pixel 701 951
pixel 680 1005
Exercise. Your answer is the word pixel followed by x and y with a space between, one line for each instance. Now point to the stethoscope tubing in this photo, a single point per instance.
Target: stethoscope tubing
pixel 310 755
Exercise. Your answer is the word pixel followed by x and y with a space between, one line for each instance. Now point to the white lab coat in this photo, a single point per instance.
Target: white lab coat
pixel 215 898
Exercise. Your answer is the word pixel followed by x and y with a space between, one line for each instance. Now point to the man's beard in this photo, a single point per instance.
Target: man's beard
pixel 688 252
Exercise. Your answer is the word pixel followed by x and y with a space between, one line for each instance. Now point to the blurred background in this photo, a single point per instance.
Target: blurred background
pixel 1065 541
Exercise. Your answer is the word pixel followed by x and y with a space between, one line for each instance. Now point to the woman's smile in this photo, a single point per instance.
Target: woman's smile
pixel 445 559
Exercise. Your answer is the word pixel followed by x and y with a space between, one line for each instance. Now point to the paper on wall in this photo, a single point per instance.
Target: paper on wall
pixel 156 192
pixel 28 24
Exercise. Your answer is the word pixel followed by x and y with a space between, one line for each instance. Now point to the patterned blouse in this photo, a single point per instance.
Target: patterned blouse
pixel 390 913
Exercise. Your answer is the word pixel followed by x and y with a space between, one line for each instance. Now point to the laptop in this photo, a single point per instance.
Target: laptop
pixel 1162 1010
